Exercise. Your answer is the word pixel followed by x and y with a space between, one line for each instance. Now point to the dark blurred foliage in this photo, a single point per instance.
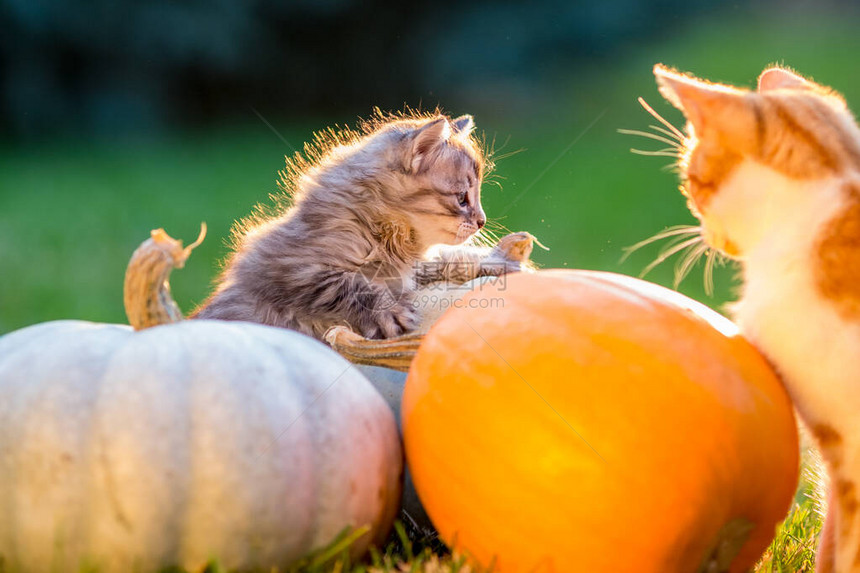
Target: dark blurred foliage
pixel 102 67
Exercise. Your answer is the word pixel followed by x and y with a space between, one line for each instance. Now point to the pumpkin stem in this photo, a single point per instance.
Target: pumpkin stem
pixel 730 539
pixel 147 297
pixel 395 353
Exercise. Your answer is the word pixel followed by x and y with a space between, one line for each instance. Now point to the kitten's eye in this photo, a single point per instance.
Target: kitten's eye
pixel 463 198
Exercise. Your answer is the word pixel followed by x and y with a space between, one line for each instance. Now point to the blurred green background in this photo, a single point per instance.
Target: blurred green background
pixel 119 118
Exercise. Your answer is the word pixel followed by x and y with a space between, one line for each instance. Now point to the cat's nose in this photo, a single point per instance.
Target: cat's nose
pixel 481 221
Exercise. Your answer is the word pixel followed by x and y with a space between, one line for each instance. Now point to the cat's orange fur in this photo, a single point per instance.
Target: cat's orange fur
pixel 839 258
pixel 774 176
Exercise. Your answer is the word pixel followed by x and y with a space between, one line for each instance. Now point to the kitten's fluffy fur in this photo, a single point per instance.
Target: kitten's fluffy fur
pixel 364 208
pixel 774 177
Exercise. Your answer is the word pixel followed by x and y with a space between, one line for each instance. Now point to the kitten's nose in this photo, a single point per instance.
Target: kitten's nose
pixel 482 219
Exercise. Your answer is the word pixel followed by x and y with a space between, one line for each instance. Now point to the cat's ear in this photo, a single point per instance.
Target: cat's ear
pixel 708 107
pixel 427 139
pixel 464 125
pixel 776 78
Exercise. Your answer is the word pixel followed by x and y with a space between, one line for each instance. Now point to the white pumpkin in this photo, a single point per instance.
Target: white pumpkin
pixel 182 443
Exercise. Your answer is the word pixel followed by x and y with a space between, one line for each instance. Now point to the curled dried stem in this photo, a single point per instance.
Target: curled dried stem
pixel 395 353
pixel 146 292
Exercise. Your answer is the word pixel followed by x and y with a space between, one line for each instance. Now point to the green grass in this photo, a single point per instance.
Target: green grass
pixel 793 548
pixel 71 212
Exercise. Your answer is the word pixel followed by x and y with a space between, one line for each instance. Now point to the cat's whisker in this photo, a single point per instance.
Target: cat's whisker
pixel 496 227
pixel 481 235
pixel 675 231
pixel 508 154
pixel 491 154
pixel 489 240
pixel 661 119
pixel 667 133
pixel 494 233
pixel 709 272
pixel 688 261
pixel 668 252
pixel 491 150
pixel 492 237
pixel 480 239
pixel 658 153
pixel 494 179
pixel 674 143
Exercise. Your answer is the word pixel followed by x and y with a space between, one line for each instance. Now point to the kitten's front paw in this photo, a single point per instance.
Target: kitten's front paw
pixel 390 322
pixel 516 246
pixel 510 255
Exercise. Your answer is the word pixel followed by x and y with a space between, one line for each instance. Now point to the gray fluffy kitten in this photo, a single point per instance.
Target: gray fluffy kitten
pixel 350 247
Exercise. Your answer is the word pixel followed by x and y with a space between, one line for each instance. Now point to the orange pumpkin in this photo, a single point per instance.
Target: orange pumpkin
pixel 568 421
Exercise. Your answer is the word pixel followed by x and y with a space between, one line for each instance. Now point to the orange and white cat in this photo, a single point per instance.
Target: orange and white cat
pixel 774 177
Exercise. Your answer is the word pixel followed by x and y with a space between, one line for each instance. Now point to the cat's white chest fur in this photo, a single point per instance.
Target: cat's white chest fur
pixel 816 351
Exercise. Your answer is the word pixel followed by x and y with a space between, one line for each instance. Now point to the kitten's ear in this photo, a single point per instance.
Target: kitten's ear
pixel 708 107
pixel 427 139
pixel 776 78
pixel 464 125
